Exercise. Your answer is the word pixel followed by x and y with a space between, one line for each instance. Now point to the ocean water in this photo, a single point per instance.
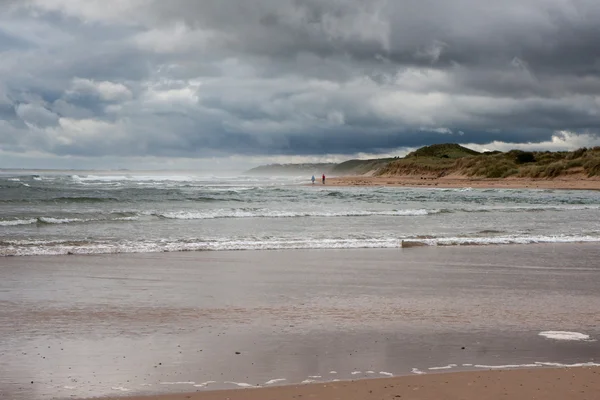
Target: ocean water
pixel 62 212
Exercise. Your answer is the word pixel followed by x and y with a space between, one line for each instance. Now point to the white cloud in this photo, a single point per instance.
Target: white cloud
pixel 171 92
pixel 561 141
pixel 106 90
pixel 93 10
pixel 175 39
pixel 441 130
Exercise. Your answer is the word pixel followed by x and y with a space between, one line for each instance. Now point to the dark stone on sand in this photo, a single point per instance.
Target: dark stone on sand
pixel 237 352
pixel 462 348
pixel 405 244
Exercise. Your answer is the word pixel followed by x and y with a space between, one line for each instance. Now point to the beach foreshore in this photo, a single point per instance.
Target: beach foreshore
pixel 570 183
pixel 109 326
pixel 548 384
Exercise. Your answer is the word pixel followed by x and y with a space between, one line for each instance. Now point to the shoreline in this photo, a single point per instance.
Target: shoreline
pixel 574 183
pixel 519 384
pixel 407 243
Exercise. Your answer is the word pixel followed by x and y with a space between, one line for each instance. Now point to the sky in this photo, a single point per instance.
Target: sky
pixel 228 84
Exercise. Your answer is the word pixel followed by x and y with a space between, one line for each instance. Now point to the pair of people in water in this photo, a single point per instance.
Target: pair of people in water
pixel 313 179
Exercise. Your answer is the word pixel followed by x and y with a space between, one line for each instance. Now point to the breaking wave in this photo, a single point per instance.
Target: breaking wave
pixel 41 247
pixel 264 213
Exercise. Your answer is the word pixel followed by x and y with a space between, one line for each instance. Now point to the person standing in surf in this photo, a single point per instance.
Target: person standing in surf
pixel 323 179
pixel 313 179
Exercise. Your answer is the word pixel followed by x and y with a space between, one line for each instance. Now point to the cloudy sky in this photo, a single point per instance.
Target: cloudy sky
pixel 232 83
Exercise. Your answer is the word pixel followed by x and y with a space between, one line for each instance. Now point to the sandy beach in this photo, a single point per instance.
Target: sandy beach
pixel 575 182
pixel 169 323
pixel 547 384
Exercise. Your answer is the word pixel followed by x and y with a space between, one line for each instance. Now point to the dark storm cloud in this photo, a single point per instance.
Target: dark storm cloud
pixel 188 78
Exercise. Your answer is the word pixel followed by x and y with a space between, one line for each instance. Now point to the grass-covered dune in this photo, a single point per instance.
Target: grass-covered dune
pixel 452 159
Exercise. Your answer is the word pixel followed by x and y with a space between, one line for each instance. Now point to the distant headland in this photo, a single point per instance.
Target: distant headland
pixel 453 165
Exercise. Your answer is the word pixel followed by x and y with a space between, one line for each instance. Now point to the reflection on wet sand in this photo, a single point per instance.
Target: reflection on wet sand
pixel 108 325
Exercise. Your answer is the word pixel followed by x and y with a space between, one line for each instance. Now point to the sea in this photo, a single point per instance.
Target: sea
pixel 105 212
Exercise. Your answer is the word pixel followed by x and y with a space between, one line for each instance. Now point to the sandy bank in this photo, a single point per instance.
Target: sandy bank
pixel 574 182
pixel 548 384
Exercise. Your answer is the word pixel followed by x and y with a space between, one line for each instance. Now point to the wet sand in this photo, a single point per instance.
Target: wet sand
pixel 547 384
pixel 575 182
pixel 144 324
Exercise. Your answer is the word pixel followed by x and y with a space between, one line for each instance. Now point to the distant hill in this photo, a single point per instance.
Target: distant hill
pixel 445 150
pixel 293 169
pixel 350 167
pixel 360 167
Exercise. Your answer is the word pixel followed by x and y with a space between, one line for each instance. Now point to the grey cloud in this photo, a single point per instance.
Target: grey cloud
pixel 190 78
pixel 66 109
pixel 36 115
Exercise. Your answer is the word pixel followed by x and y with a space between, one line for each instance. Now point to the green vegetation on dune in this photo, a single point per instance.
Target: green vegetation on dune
pixel 439 160
pixel 445 150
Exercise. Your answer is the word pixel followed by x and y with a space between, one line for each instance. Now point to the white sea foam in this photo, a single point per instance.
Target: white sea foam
pixel 536 365
pixel 41 247
pixel 59 221
pixel 507 366
pixel 356 372
pixel 127 219
pixel 370 372
pixel 50 220
pixel 333 372
pixel 120 389
pixel 267 213
pixel 204 384
pixel 508 239
pixel 177 383
pixel 308 381
pixel 163 178
pixel 563 335
pixel 17 222
pixel 105 178
pixel 417 371
pixel 575 365
pixel 539 364
pixel 241 384
pixel 315 376
pixel 274 381
pixel 449 366
pixel 386 373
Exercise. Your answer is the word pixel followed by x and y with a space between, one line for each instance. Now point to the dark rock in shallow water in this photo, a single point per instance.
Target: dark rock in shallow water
pixel 405 245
